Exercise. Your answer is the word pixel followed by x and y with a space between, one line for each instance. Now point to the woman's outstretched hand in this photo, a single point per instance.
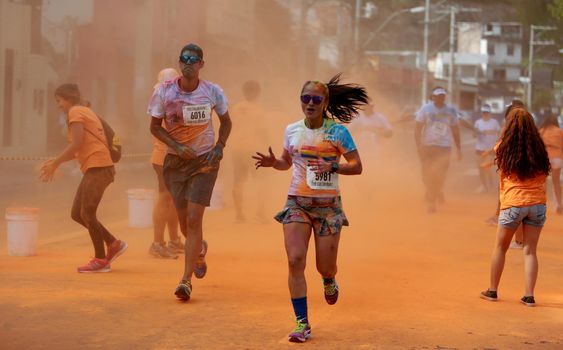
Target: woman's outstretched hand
pixel 48 170
pixel 263 160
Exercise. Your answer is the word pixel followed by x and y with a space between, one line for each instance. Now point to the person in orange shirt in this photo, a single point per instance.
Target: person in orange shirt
pixel 523 166
pixel 552 136
pixel 164 213
pixel 88 145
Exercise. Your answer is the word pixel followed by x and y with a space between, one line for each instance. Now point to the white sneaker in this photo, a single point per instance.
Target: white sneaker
pixel 516 245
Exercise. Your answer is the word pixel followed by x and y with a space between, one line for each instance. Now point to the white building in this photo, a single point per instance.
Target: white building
pixel 24 81
pixel 487 64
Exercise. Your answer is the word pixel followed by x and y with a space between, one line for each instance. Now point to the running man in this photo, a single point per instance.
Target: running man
pixel 314 146
pixel 436 124
pixel 192 163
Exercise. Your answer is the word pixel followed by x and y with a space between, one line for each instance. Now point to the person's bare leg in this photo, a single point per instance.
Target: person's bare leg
pixel 531 238
pixel 194 233
pixel 296 237
pixel 504 236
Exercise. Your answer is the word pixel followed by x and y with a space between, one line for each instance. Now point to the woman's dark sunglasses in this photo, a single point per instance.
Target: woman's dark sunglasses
pixel 317 100
pixel 187 59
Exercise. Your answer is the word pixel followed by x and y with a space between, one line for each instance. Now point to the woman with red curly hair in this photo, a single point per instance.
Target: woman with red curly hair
pixel 523 166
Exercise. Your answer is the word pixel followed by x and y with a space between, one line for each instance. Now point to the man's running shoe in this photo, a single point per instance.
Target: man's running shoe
pixel 301 333
pixel 159 250
pixel 95 265
pixel 528 300
pixel 115 249
pixel 331 292
pixel 490 295
pixel 200 268
pixel 184 291
pixel 176 246
pixel 516 245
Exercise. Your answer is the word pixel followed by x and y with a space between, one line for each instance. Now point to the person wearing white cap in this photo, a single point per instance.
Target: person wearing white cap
pixel 437 123
pixel 487 131
pixel 164 214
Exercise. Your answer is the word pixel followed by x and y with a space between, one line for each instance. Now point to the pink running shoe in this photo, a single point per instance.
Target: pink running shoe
pixel 115 249
pixel 331 292
pixel 301 333
pixel 95 265
pixel 200 268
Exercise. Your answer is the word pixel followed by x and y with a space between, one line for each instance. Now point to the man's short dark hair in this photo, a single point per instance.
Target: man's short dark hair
pixel 192 48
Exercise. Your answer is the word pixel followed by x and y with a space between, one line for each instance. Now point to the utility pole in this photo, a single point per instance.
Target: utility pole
pixel 452 60
pixel 453 10
pixel 533 43
pixel 357 31
pixel 425 54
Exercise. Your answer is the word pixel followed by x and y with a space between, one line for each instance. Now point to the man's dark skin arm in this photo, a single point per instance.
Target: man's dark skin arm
pixel 225 127
pixel 186 152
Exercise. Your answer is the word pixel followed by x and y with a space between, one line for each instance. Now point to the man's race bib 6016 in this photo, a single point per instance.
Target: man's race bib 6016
pixel 196 114
pixel 322 181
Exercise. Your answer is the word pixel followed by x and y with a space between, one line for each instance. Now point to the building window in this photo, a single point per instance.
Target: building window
pixel 510 50
pixel 490 48
pixel 499 75
pixel 489 27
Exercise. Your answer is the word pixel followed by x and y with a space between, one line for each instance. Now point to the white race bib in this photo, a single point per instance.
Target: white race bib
pixel 196 114
pixel 439 129
pixel 322 181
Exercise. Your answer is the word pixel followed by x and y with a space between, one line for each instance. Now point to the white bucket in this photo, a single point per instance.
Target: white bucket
pixel 141 203
pixel 23 224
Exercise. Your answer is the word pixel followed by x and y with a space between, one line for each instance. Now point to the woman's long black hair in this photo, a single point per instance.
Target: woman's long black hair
pixel 344 100
pixel 521 152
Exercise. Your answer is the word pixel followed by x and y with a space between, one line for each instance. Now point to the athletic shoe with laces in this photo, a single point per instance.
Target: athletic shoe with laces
pixel 528 300
pixel 159 250
pixel 490 295
pixel 184 290
pixel 301 333
pixel 115 249
pixel 95 265
pixel 331 292
pixel 516 245
pixel 176 246
pixel 200 268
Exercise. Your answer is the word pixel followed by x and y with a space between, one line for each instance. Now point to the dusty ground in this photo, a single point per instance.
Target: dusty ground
pixel 408 280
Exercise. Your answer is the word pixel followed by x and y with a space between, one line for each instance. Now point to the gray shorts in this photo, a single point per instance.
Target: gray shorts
pixel 190 180
pixel 533 215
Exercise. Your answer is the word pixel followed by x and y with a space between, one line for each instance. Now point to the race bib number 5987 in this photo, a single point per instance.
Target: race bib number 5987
pixel 196 114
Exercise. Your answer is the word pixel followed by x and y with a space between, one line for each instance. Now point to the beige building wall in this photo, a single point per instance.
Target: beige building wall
pixel 23 85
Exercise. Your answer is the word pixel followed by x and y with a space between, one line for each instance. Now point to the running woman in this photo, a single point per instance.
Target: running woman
pixel 437 123
pixel 523 166
pixel 552 136
pixel 164 213
pixel 486 130
pixel 192 163
pixel 88 145
pixel 314 147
